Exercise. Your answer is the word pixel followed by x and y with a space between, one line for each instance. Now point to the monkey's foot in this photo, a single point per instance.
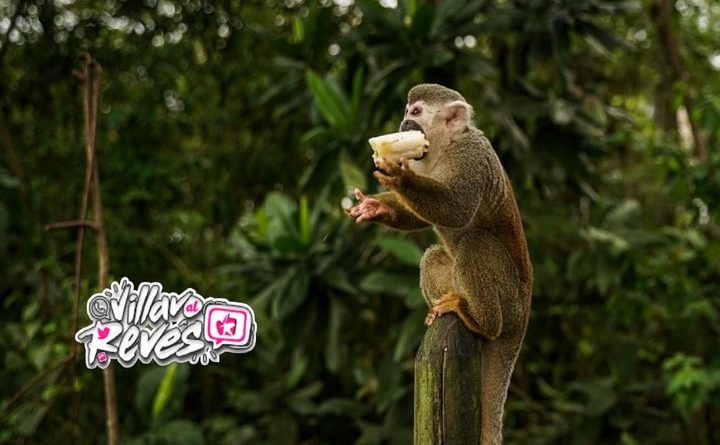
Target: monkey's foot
pixel 449 302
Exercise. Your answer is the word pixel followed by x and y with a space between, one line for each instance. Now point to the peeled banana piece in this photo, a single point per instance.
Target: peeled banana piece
pixel 408 144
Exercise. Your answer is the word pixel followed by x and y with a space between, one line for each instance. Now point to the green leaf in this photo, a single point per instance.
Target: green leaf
pixel 147 388
pixel 304 221
pixel 330 101
pixel 401 248
pixel 411 333
pixel 389 18
pixel 358 84
pixel 436 56
pixel 180 432
pixel 335 347
pixel 297 371
pixel 617 243
pixel 343 407
pixel 397 284
pixel 298 30
pixel 292 295
pixel 30 420
pixel 313 135
pixel 282 234
pixel 624 212
pixel 351 174
pixel 164 391
pixel 422 21
pixel 317 211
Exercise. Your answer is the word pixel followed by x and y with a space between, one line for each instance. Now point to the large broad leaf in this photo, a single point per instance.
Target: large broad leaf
pixel 422 21
pixel 411 332
pixel 282 233
pixel 330 101
pixel 358 85
pixel 402 249
pixel 401 285
pixel 351 174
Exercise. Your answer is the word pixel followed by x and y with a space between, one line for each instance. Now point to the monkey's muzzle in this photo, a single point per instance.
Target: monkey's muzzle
pixel 409 125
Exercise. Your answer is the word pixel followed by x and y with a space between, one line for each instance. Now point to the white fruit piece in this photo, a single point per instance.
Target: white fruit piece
pixel 408 144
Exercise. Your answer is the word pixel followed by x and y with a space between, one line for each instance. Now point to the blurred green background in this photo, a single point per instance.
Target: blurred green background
pixel 228 134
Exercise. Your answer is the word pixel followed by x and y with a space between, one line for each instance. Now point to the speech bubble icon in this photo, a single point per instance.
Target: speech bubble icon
pixel 227 324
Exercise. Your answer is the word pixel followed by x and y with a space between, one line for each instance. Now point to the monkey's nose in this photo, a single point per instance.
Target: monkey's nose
pixel 409 124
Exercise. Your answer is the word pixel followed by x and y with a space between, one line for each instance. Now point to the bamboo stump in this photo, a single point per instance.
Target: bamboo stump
pixel 447 385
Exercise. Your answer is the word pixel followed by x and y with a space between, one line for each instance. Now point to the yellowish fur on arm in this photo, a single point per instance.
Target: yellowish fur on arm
pixel 401 217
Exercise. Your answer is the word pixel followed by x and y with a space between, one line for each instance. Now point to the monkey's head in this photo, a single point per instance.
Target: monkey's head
pixel 439 112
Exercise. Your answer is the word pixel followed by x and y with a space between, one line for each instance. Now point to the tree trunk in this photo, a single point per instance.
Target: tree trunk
pixel 447 385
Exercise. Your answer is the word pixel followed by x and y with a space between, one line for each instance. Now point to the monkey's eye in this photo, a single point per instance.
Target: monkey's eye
pixel 415 111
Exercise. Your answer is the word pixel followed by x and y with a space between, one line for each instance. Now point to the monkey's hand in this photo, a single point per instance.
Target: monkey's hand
pixel 368 209
pixel 395 174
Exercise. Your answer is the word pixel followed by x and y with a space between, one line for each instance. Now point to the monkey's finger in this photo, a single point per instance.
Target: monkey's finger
pixel 360 210
pixel 395 168
pixel 359 195
pixel 382 179
pixel 387 166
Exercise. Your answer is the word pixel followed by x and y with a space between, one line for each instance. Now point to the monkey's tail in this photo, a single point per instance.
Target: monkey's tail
pixel 498 361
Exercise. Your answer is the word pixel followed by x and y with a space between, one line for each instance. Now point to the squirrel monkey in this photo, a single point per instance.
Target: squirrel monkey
pixel 481 269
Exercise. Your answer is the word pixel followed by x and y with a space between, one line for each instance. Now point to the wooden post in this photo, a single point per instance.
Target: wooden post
pixel 447 385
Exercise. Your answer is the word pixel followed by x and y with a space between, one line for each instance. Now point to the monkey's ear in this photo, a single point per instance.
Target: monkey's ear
pixel 458 114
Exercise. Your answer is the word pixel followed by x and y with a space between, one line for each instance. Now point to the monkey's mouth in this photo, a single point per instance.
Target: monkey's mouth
pixel 411 125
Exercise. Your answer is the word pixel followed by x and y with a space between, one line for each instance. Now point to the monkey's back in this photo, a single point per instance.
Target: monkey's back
pixel 496 211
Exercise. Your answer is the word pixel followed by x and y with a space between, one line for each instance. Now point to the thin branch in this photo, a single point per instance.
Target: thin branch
pixel 111 415
pixel 70 225
pixel 79 245
pixel 33 381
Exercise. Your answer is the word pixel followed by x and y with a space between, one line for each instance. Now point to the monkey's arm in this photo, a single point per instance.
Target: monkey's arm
pixel 400 217
pixel 467 180
pixel 436 202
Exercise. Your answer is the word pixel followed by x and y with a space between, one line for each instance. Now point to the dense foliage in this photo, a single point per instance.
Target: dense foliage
pixel 230 131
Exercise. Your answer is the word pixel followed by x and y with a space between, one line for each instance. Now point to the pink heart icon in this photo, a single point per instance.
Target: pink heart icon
pixel 103 332
pixel 102 357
